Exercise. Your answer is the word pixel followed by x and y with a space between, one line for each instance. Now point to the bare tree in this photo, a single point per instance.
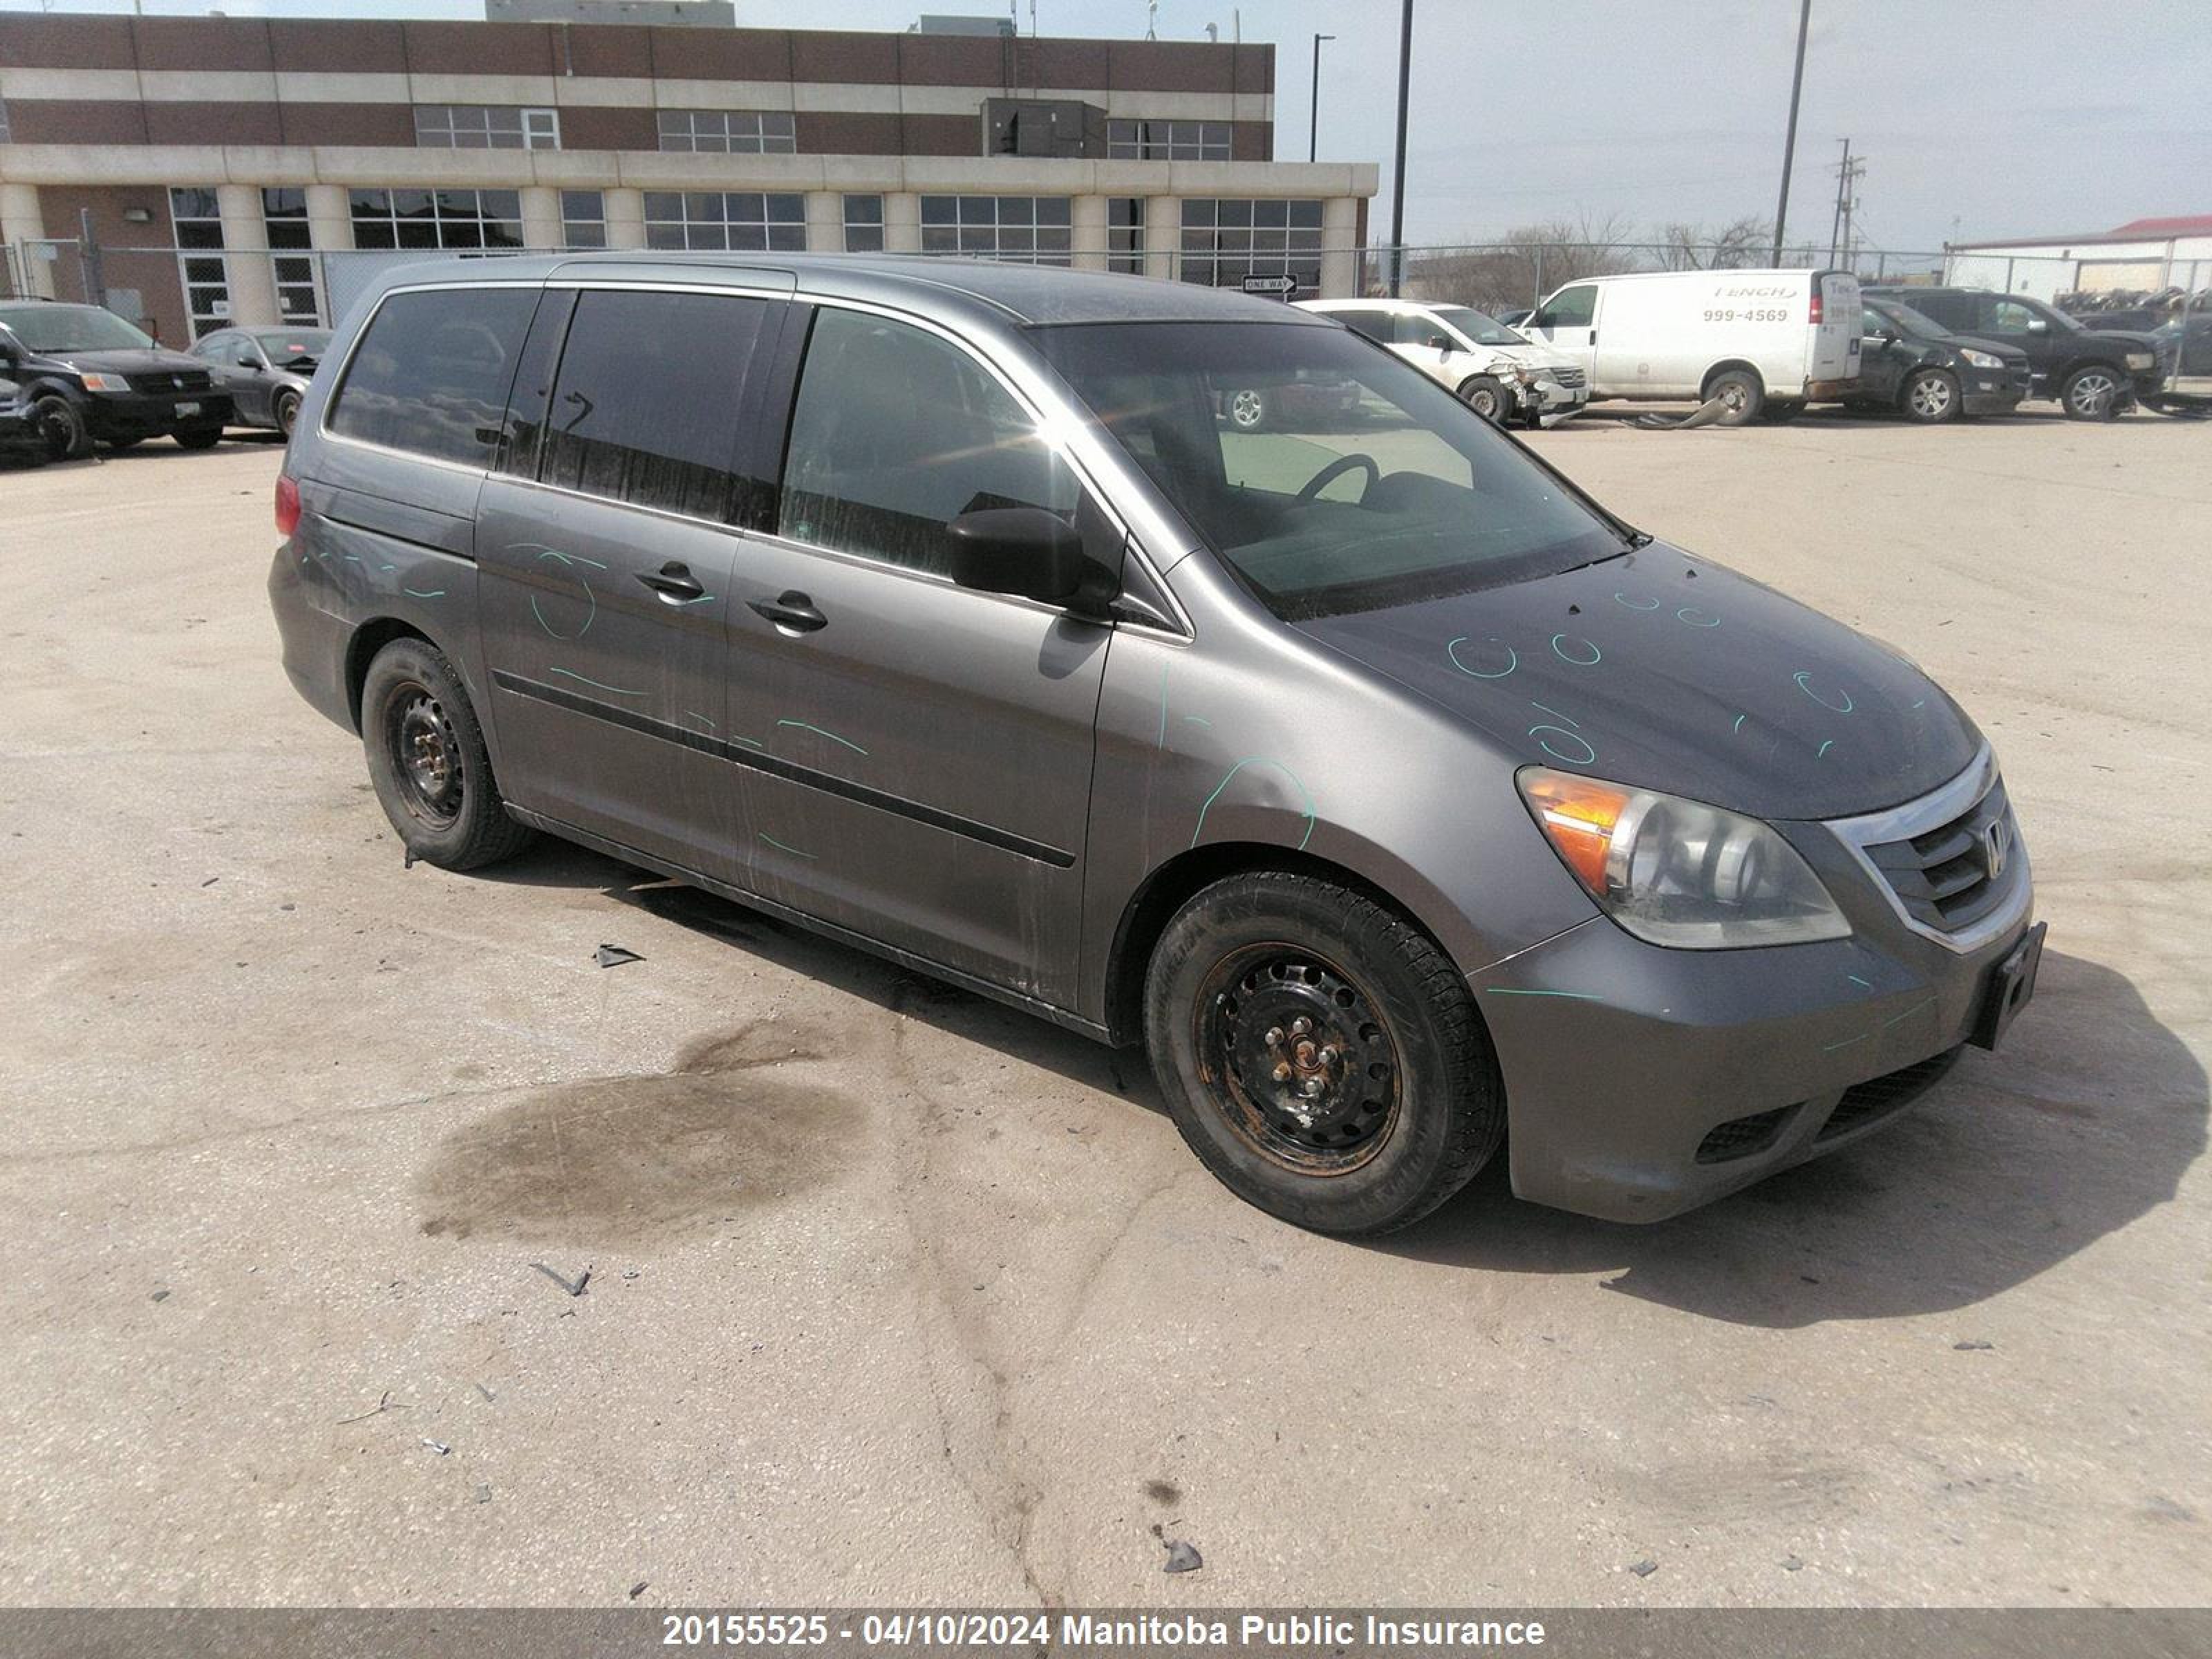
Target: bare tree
pixel 1524 265
pixel 1731 246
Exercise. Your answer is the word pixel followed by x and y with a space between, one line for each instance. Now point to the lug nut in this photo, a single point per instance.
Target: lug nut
pixel 1274 1037
pixel 1328 1056
pixel 1301 1026
pixel 1313 1087
pixel 1282 1071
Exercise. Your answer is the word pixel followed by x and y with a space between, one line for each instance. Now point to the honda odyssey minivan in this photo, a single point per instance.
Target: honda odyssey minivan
pixel 1402 800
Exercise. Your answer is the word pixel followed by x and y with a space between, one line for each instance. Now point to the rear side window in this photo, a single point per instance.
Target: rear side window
pixel 894 433
pixel 431 375
pixel 1375 324
pixel 645 407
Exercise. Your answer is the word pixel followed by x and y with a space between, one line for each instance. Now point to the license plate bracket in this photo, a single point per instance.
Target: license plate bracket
pixel 2011 983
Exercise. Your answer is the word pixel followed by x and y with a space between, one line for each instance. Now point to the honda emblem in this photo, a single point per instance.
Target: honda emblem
pixel 1996 847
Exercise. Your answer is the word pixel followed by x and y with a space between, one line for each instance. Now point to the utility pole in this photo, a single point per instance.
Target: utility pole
pixel 1313 135
pixel 1398 174
pixel 1849 171
pixel 1789 143
pixel 1836 219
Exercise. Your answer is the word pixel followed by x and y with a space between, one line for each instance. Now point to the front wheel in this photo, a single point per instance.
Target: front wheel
pixel 1247 408
pixel 427 761
pixel 1319 1054
pixel 199 437
pixel 1932 396
pixel 286 409
pixel 2091 393
pixel 68 439
pixel 1485 394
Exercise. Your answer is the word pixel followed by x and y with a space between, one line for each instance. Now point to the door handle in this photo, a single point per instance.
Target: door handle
pixel 674 581
pixel 792 611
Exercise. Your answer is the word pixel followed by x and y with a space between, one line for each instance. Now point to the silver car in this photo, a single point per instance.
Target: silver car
pixel 265 370
pixel 1400 800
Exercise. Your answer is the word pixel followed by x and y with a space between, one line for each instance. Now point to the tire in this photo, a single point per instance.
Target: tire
pixel 1931 396
pixel 2091 392
pixel 67 437
pixel 1485 394
pixel 1740 393
pixel 1249 409
pixel 286 408
pixel 1408 1110
pixel 1777 410
pixel 197 437
pixel 428 761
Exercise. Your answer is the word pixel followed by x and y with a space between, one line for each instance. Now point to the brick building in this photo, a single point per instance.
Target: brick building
pixel 222 164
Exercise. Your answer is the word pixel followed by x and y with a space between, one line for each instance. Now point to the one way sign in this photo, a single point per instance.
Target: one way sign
pixel 1281 287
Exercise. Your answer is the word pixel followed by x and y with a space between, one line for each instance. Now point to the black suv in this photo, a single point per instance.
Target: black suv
pixel 2094 373
pixel 1914 365
pixel 90 375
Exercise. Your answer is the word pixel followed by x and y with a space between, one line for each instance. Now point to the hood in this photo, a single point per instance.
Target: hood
pixel 1669 673
pixel 2124 337
pixel 1995 348
pixel 1536 355
pixel 132 360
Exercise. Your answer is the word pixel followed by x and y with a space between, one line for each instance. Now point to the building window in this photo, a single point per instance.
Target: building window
pixel 481 126
pixel 1026 230
pixel 864 224
pixel 1166 141
pixel 728 131
pixel 1125 235
pixel 199 224
pixel 284 215
pixel 3 121
pixel 745 221
pixel 1224 241
pixel 583 218
pixel 437 218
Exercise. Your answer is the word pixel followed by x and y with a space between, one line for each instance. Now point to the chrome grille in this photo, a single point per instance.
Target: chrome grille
pixel 1569 377
pixel 1952 863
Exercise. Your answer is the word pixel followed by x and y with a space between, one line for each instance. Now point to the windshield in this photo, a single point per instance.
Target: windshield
pixel 1482 328
pixel 1329 475
pixel 71 328
pixel 302 345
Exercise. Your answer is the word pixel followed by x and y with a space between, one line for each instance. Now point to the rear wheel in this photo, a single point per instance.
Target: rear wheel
pixel 67 438
pixel 1319 1054
pixel 199 437
pixel 1739 393
pixel 1248 409
pixel 2091 393
pixel 427 761
pixel 1485 394
pixel 1931 396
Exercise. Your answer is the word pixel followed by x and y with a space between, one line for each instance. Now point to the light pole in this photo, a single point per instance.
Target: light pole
pixel 1313 134
pixel 1398 175
pixel 1789 143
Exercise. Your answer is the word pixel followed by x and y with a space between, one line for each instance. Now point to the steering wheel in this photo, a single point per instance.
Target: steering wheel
pixel 1335 470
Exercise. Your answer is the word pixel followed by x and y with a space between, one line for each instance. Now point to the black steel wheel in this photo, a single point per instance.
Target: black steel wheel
pixel 427 761
pixel 63 425
pixel 1319 1053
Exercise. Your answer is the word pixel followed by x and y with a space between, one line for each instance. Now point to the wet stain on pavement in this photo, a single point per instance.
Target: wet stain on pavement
pixel 729 1126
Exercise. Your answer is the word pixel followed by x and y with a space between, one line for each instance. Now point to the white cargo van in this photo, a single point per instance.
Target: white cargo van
pixel 1761 341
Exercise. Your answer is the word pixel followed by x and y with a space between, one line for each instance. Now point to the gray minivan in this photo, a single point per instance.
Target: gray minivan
pixel 1398 797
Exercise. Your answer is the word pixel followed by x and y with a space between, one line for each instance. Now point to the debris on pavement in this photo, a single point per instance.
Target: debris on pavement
pixel 483 1494
pixel 162 1295
pixel 637 1589
pixel 1703 414
pixel 574 1286
pixel 1645 1568
pixel 1791 1563
pixel 1183 1558
pixel 383 1405
pixel 1976 1346
pixel 613 956
pixel 485 1392
pixel 437 1446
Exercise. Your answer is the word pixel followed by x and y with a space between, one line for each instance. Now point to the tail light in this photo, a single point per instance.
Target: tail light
pixel 1816 304
pixel 288 504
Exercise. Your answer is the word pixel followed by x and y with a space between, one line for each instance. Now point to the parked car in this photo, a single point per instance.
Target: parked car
pixel 1913 365
pixel 23 433
pixel 2095 374
pixel 1388 787
pixel 1762 342
pixel 265 370
pixel 1499 374
pixel 91 375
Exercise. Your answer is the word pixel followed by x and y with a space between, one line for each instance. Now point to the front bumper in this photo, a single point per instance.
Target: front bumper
pixel 141 414
pixel 1997 394
pixel 1642 1082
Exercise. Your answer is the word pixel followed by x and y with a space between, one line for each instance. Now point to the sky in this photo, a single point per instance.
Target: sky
pixel 1977 119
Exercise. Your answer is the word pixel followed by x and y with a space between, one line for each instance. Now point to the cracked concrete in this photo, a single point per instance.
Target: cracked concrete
pixel 899 1296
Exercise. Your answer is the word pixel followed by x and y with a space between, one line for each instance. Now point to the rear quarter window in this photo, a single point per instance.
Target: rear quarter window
pixel 432 372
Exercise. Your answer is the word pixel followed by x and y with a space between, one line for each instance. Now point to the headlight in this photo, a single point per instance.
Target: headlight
pixel 105 383
pixel 2142 360
pixel 1679 872
pixel 1981 358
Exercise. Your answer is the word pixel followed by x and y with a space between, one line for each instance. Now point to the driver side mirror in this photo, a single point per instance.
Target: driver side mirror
pixel 1443 343
pixel 1030 553
pixel 2038 325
